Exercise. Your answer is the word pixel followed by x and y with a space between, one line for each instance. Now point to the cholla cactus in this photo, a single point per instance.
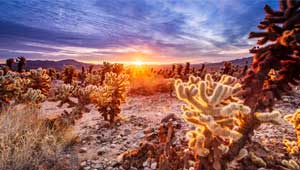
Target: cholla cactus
pixel 213 109
pixel 63 93
pixel 93 79
pixel 69 74
pixel 84 96
pixel 39 79
pixel 33 97
pixel 294 119
pixel 11 87
pixel 290 165
pixel 112 95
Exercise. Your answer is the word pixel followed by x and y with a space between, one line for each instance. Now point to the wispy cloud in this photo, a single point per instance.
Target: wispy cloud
pixel 96 30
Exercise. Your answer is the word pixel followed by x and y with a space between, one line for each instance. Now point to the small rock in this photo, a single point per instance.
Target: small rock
pixel 99 166
pixel 101 151
pixel 140 135
pixel 83 150
pixel 114 163
pixel 153 165
pixel 82 164
pixel 126 132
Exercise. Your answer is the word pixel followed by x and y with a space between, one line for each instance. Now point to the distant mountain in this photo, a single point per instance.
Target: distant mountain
pixel 59 65
pixel 240 62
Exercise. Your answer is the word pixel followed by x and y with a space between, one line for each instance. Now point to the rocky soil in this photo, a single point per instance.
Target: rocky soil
pixel 100 145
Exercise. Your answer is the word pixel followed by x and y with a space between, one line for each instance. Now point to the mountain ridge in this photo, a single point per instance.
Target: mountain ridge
pixel 59 65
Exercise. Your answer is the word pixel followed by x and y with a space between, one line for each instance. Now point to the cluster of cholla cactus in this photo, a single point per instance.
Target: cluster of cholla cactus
pixel 107 97
pixel 69 74
pixel 111 96
pixel 231 69
pixel 21 61
pixel 33 97
pixel 26 87
pixel 63 95
pixel 11 87
pixel 39 79
pixel 215 111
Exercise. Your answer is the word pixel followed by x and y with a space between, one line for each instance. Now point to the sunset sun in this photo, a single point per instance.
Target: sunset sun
pixel 138 62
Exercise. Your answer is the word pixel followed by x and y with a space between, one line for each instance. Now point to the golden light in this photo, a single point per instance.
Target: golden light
pixel 138 62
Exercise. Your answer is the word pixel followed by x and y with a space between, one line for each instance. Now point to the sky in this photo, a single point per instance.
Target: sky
pixel 157 31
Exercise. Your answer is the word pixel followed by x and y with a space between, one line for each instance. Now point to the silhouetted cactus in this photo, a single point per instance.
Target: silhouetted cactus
pixel 91 67
pixel 21 64
pixel 9 63
pixel 187 68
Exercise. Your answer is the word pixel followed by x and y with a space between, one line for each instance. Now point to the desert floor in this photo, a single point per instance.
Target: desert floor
pixel 100 145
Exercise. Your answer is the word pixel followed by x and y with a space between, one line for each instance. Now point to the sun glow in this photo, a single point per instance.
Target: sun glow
pixel 138 62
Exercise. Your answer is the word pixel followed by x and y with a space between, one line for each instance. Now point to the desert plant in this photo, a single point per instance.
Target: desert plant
pixel 292 146
pixel 63 94
pixel 111 95
pixel 52 73
pixel 215 112
pixel 94 79
pixel 27 143
pixel 281 54
pixel 69 74
pixel 159 147
pixel 33 97
pixel 21 64
pixel 12 86
pixel 9 63
pixel 39 79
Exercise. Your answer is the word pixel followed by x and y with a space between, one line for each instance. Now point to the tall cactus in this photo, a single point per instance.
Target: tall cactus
pixel 281 54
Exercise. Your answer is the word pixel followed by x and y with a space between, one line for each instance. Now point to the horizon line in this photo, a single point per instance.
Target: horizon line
pixel 131 62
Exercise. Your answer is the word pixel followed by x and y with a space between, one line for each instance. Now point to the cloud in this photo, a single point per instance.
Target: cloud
pixel 114 30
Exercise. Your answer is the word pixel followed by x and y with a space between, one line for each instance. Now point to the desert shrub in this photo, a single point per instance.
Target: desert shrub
pixel 26 142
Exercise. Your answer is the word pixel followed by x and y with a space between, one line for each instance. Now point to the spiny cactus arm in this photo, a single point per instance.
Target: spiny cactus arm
pixel 257 160
pixel 290 164
pixel 272 117
pixel 294 119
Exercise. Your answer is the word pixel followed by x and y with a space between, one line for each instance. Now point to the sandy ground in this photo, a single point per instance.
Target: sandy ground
pixel 100 145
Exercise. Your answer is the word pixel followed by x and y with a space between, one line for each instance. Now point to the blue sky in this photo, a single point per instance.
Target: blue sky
pixel 127 30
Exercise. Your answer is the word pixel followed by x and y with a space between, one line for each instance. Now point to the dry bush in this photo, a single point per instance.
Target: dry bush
pixel 26 143
pixel 149 85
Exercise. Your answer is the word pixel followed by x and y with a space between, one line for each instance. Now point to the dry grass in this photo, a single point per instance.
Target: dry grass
pixel 26 143
pixel 149 85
